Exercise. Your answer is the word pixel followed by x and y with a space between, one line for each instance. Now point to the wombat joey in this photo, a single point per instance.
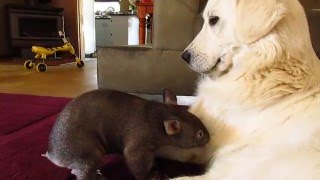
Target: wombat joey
pixel 102 122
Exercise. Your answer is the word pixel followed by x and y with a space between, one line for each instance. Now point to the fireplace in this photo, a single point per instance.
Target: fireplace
pixel 34 25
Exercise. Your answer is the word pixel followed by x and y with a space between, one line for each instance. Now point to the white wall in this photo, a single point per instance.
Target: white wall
pixel 133 30
pixel 89 26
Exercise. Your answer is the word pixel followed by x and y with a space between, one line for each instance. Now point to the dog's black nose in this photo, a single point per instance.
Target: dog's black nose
pixel 186 56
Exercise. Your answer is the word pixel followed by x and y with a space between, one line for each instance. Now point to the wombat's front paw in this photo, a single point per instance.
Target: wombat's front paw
pixel 71 177
pixel 159 176
pixel 100 175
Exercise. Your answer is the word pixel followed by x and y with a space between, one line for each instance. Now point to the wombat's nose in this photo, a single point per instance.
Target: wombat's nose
pixel 186 56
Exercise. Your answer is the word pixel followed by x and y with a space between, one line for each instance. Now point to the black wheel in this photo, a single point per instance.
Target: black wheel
pixel 41 67
pixel 80 64
pixel 28 64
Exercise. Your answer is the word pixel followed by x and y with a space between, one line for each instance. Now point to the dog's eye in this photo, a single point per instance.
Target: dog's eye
pixel 213 20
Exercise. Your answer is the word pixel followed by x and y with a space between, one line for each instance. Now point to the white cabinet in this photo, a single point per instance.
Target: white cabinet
pixel 117 30
pixel 103 34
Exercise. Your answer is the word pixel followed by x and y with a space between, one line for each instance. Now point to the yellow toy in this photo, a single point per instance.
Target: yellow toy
pixel 42 52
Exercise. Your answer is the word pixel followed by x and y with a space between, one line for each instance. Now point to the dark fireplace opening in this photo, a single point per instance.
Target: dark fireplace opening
pixel 36 2
pixel 38 27
pixel 34 26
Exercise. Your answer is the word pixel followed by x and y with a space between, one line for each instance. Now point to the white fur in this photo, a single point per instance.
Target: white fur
pixel 261 104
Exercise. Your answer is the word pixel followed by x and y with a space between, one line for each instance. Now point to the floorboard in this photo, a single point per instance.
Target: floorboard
pixel 65 80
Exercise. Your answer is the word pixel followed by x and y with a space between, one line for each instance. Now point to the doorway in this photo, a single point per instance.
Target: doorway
pixel 109 17
pixel 88 11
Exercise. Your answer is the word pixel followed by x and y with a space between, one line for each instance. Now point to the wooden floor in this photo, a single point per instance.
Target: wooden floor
pixel 63 81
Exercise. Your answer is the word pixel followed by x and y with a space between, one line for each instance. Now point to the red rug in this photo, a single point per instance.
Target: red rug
pixel 25 124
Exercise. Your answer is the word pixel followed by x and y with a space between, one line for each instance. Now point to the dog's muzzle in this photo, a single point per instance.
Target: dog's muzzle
pixel 187 57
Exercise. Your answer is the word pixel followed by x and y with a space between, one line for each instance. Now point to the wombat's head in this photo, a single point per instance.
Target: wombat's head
pixel 184 128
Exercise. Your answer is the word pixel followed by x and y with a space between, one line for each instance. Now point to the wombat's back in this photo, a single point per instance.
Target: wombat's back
pixel 95 111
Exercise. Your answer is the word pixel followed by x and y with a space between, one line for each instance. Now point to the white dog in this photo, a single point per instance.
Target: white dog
pixel 260 98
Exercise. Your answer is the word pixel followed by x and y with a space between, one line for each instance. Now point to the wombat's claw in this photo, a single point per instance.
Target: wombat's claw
pixel 99 172
pixel 159 176
pixel 164 177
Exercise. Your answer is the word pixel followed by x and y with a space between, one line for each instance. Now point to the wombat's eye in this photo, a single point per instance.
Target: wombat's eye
pixel 200 134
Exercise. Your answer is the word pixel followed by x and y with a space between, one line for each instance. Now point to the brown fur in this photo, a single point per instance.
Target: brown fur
pixel 104 122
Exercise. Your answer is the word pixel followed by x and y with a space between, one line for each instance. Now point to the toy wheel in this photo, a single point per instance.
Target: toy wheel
pixel 41 67
pixel 28 64
pixel 80 64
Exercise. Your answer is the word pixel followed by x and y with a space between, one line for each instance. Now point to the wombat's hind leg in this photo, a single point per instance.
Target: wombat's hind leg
pixel 86 169
pixel 90 174
pixel 85 166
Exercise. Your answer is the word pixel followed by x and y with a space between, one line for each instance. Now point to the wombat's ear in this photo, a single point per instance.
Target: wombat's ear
pixel 169 97
pixel 172 127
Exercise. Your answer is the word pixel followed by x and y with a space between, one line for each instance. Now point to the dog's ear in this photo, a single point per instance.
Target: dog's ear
pixel 256 18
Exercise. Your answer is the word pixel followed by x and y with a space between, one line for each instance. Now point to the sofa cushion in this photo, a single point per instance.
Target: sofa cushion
pixel 174 23
pixel 144 70
pixel 202 5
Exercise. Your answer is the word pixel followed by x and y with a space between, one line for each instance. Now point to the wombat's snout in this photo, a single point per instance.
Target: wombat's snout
pixel 203 137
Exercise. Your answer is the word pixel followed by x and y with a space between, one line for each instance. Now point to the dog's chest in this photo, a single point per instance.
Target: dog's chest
pixel 264 161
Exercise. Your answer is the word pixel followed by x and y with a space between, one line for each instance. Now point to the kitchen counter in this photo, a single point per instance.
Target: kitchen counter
pixel 108 16
pixel 102 17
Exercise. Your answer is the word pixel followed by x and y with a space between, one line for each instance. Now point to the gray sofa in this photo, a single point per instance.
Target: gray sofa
pixel 148 69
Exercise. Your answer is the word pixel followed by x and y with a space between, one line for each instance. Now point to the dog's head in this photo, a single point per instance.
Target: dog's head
pixel 230 25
